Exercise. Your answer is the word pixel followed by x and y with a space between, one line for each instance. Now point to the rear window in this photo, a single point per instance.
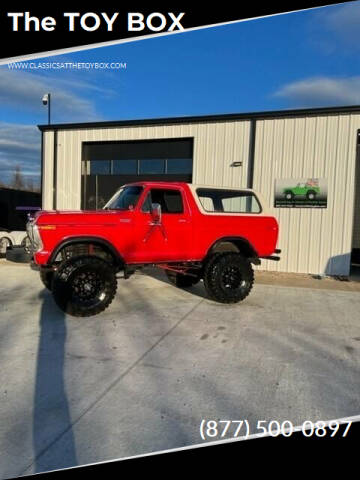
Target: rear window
pixel 228 201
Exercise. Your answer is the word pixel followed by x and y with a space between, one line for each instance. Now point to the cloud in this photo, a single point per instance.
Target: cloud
pixel 322 91
pixel 23 90
pixel 344 20
pixel 19 145
pixel 73 99
pixel 336 27
pixel 73 80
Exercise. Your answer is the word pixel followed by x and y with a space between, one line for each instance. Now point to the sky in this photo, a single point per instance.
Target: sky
pixel 297 60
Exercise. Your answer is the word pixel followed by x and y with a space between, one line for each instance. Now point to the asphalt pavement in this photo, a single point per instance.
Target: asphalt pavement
pixel 141 376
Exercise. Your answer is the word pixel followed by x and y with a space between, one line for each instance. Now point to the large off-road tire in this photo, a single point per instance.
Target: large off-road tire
pixel 84 286
pixel 46 276
pixel 228 277
pixel 180 280
pixel 289 195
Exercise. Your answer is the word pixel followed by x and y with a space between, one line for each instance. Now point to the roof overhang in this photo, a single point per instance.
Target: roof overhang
pixel 228 117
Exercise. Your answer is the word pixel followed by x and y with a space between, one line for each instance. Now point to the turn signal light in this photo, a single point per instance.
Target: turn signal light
pixel 47 227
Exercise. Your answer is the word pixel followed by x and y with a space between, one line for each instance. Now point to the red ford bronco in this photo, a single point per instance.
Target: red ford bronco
pixel 193 232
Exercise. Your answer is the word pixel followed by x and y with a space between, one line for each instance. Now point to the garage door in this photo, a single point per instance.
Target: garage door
pixel 356 229
pixel 108 165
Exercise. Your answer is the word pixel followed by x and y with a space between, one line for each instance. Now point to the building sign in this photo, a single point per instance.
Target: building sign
pixel 301 193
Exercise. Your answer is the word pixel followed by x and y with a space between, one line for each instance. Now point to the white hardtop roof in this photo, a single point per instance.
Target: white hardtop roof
pixel 213 187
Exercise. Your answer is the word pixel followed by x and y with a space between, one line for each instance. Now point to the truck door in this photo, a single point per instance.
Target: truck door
pixel 168 239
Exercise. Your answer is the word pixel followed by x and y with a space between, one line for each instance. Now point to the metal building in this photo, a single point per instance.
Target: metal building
pixel 306 163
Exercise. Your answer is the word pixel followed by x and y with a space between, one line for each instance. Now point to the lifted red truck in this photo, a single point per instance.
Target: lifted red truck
pixel 193 232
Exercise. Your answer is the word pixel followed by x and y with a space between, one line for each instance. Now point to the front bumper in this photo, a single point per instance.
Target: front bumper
pixel 34 266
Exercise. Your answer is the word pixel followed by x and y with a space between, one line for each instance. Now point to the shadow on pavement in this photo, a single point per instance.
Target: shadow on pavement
pixel 51 417
pixel 159 274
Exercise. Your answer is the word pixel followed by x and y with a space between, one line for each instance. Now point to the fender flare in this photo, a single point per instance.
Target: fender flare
pixel 86 239
pixel 251 252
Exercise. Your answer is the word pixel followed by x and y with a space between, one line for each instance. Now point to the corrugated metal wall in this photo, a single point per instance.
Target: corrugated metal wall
pixel 312 240
pixel 48 170
pixel 216 146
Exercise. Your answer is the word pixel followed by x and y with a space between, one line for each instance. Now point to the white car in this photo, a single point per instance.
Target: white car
pixel 12 239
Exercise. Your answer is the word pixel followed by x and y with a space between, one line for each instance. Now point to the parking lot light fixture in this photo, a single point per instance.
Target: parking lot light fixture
pixel 47 101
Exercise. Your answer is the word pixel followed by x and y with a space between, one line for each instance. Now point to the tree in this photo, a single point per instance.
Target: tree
pixel 18 181
pixel 30 185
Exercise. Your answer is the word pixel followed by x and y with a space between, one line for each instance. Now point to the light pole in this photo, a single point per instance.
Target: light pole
pixel 47 101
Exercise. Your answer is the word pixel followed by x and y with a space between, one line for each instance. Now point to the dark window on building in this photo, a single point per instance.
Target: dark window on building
pixel 106 165
pixel 179 165
pixel 156 157
pixel 169 200
pixel 100 167
pixel 124 167
pixel 151 166
pixel 228 201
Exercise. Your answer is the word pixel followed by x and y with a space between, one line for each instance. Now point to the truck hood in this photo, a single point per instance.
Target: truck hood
pixel 83 217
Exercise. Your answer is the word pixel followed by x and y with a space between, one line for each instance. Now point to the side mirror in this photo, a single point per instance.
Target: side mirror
pixel 156 212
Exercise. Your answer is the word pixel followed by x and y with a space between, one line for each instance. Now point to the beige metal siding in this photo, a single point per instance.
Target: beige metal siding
pixel 68 191
pixel 312 240
pixel 216 146
pixel 317 241
pixel 48 170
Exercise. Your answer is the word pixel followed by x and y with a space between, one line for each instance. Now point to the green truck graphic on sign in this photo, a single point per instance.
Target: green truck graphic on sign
pixel 300 192
pixel 309 190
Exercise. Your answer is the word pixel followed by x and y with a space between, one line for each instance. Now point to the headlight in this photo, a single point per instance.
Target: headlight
pixel 34 236
pixel 37 238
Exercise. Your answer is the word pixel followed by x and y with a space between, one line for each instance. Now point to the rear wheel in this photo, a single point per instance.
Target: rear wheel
pixel 228 277
pixel 84 286
pixel 181 280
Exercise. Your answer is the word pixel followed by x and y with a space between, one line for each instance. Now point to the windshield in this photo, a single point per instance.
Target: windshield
pixel 124 198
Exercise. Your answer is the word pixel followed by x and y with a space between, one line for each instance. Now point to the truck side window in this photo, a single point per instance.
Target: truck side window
pixel 147 204
pixel 170 200
pixel 228 201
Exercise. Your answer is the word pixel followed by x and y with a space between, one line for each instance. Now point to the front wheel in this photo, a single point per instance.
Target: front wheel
pixel 228 277
pixel 46 276
pixel 84 286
